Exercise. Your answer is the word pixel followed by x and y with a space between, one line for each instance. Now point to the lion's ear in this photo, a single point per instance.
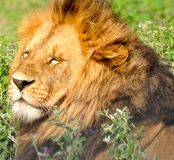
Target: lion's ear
pixel 111 56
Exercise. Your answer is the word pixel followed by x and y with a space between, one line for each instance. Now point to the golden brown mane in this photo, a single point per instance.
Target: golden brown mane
pixel 119 71
pixel 100 34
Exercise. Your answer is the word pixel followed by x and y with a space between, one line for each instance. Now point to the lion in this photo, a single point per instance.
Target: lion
pixel 79 54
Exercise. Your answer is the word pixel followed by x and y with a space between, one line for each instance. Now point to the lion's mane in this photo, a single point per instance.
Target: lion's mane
pixel 120 71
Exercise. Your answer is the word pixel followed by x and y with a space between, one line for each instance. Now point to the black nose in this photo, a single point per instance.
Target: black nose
pixel 21 84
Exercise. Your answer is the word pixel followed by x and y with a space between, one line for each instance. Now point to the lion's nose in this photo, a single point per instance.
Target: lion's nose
pixel 21 84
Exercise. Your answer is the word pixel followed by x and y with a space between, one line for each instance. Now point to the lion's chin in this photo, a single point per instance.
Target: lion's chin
pixel 26 113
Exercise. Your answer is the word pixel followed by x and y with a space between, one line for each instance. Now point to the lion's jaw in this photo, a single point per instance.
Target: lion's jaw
pixel 43 71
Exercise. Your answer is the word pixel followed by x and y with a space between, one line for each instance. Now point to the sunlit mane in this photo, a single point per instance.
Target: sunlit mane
pixel 78 56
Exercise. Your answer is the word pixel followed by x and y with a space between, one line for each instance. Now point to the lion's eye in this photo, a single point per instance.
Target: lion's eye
pixel 26 54
pixel 54 61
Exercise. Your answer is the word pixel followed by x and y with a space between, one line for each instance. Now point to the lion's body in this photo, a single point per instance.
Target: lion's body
pixel 77 53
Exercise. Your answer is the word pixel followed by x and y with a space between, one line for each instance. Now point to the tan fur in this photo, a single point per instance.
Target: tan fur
pixel 78 56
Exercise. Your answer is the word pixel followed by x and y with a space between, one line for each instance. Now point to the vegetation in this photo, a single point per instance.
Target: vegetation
pixel 6 129
pixel 71 138
pixel 153 22
pixel 119 137
pixel 160 36
pixel 11 14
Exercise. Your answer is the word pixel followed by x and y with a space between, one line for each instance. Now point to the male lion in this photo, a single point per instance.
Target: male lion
pixel 78 53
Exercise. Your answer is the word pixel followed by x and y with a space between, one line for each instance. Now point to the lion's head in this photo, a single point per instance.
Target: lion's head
pixel 46 71
pixel 79 54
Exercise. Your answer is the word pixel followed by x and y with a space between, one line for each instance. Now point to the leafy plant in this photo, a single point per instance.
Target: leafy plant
pixel 124 145
pixel 70 141
pixel 160 36
pixel 7 142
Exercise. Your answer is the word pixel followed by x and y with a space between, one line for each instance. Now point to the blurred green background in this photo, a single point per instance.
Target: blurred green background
pixel 152 20
pixel 133 11
pixel 12 12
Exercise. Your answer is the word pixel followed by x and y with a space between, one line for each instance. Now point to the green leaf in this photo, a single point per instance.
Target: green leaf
pixel 4 146
pixel 67 137
pixel 169 56
pixel 59 153
pixel 4 135
pixel 141 129
pixel 72 158
pixel 4 82
pixel 128 152
pixel 111 151
pixel 71 120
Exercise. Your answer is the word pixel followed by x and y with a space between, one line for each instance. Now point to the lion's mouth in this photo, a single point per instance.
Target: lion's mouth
pixel 44 109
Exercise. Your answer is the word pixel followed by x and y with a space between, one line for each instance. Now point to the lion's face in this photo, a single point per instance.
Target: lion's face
pixel 43 71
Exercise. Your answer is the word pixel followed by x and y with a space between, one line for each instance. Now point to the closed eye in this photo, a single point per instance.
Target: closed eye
pixel 54 61
pixel 26 54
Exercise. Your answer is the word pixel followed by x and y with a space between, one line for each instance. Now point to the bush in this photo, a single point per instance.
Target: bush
pixel 6 129
pixel 124 145
pixel 160 36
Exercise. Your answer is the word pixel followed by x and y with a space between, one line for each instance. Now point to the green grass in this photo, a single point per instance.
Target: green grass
pixel 153 22
pixel 11 13
pixel 134 11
